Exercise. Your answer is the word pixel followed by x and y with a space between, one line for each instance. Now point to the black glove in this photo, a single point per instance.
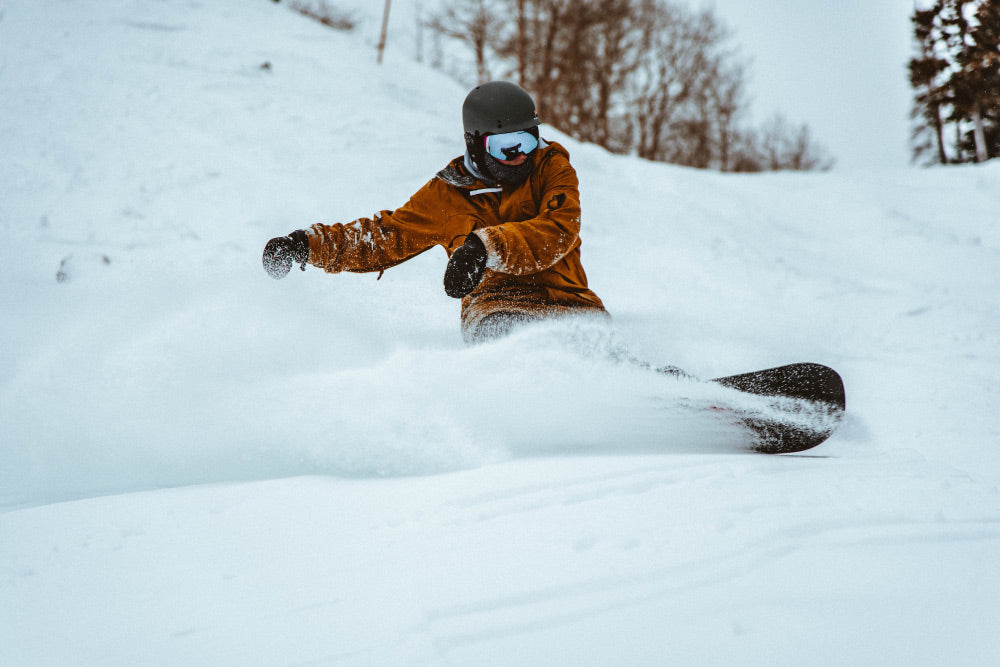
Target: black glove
pixel 465 267
pixel 280 253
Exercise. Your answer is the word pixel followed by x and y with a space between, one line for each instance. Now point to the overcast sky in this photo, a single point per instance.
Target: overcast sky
pixel 837 65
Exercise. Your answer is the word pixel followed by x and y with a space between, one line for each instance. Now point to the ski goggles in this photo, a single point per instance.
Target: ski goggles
pixel 509 145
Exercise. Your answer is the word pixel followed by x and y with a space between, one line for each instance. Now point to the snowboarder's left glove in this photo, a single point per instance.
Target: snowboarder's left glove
pixel 281 252
pixel 465 268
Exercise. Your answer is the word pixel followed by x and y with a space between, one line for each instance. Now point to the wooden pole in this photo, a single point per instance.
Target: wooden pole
pixel 385 28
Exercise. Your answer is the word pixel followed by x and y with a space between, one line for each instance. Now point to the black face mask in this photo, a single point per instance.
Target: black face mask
pixel 506 174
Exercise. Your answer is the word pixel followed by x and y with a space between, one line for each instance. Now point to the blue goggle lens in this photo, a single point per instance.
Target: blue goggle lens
pixel 511 144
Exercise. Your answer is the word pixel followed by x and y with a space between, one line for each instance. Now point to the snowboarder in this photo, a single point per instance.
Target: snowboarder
pixel 507 213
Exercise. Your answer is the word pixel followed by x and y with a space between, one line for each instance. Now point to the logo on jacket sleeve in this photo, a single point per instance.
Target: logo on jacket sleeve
pixel 557 201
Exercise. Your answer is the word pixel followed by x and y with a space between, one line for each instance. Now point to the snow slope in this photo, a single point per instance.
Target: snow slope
pixel 201 465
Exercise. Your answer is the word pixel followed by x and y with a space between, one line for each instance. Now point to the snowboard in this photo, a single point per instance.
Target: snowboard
pixel 807 402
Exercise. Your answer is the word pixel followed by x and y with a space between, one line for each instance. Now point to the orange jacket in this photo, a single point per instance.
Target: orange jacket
pixel 531 234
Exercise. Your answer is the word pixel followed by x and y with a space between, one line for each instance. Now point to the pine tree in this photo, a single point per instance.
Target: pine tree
pixel 956 79
pixel 980 62
pixel 964 83
pixel 925 70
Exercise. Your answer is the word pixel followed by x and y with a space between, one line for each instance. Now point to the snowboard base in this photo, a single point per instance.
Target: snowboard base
pixel 809 404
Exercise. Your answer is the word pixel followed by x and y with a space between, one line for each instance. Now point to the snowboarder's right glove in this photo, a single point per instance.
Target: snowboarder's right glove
pixel 465 268
pixel 281 252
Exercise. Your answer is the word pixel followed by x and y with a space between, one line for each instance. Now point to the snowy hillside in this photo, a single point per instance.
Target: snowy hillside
pixel 201 465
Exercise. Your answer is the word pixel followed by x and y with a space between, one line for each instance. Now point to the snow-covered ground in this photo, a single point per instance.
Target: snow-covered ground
pixel 201 465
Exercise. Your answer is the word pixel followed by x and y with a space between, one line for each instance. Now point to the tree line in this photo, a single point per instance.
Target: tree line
pixel 955 76
pixel 651 78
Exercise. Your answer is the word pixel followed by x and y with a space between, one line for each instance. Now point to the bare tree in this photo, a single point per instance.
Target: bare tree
pixel 474 23
pixel 727 103
pixel 706 131
pixel 784 146
pixel 676 55
pixel 649 77
pixel 535 47
pixel 591 58
pixel 745 154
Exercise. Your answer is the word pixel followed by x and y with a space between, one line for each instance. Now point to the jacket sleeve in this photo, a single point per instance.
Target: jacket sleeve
pixel 529 246
pixel 383 240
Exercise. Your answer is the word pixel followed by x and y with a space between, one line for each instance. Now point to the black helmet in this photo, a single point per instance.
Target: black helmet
pixel 497 107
